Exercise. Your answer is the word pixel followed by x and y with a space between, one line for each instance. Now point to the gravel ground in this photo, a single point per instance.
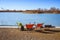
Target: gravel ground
pixel 16 34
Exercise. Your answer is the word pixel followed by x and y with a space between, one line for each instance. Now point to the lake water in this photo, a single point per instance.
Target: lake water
pixel 11 18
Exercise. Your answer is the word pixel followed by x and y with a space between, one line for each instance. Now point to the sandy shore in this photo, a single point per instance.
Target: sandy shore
pixel 16 34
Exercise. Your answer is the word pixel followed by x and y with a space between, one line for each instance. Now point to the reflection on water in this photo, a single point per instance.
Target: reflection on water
pixel 11 18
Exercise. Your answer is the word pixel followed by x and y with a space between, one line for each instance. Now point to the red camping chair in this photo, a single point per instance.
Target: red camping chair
pixel 29 26
pixel 39 25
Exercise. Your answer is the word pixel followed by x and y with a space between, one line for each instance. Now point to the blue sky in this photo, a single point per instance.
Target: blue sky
pixel 29 4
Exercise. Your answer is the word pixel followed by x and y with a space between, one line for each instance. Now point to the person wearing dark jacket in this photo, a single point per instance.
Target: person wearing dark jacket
pixel 22 28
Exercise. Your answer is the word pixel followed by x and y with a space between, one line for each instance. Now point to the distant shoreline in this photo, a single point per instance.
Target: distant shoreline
pixel 29 12
pixel 52 10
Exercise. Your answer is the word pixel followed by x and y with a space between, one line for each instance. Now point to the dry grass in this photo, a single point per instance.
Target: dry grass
pixel 16 34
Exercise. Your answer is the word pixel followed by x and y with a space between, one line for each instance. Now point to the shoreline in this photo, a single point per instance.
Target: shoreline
pixel 15 26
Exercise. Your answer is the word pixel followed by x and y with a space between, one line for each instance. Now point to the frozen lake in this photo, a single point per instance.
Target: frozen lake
pixel 11 18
